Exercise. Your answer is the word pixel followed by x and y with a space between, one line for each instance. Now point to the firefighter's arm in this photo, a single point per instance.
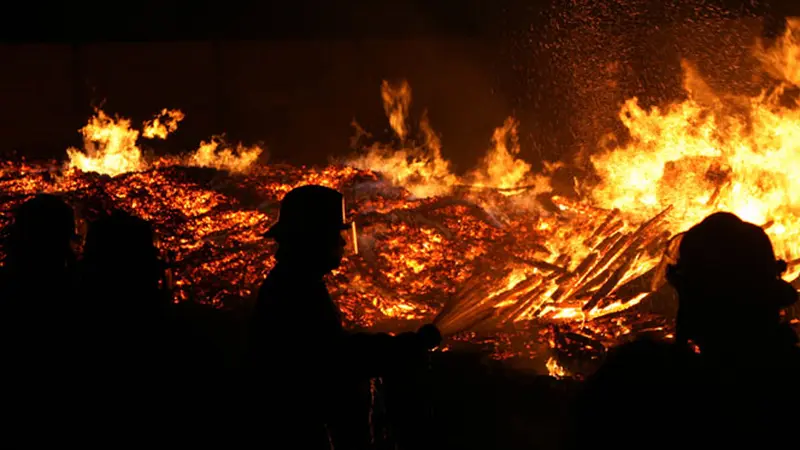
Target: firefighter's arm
pixel 375 354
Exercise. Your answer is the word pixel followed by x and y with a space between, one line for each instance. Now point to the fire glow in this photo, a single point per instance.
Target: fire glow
pixel 492 251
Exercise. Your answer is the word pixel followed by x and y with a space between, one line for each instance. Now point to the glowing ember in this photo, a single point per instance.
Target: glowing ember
pixel 492 253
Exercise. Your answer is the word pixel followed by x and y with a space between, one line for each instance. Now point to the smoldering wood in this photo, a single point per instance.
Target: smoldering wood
pixel 611 254
pixel 602 229
pixel 637 285
pixel 658 244
pixel 597 275
pixel 474 209
pixel 600 273
pixel 563 260
pixel 515 311
pixel 576 207
pixel 632 254
pixel 523 188
pixel 539 264
pixel 378 281
pixel 567 286
pixel 608 242
pixel 475 291
pixel 610 284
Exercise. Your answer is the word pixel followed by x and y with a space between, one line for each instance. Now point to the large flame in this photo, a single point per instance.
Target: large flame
pixel 711 153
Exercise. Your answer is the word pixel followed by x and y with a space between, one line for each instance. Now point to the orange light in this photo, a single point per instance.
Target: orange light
pixel 355 238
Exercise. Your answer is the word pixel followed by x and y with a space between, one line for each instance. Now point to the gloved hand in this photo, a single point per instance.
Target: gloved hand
pixel 429 336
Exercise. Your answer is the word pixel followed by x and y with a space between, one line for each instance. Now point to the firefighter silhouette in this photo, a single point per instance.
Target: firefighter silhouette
pixel 35 286
pixel 731 375
pixel 312 372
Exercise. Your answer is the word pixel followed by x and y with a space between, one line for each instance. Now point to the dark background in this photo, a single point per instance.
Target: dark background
pixel 293 75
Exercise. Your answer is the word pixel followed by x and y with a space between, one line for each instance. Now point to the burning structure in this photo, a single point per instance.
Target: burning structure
pixel 493 256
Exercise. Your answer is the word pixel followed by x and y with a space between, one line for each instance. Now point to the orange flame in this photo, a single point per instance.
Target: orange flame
pixel 681 163
pixel 110 147
pixel 163 124
pixel 501 167
pixel 782 60
pixel 396 101
pixel 214 154
pixel 425 173
pixel 703 155
pixel 420 169
pixel 555 370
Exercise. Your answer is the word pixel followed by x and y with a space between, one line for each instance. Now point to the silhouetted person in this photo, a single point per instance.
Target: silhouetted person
pixel 120 275
pixel 313 376
pixel 35 285
pixel 145 358
pixel 135 328
pixel 731 377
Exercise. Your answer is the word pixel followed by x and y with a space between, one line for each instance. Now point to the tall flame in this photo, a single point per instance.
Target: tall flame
pixel 421 169
pixel 501 167
pixel 396 101
pixel 710 153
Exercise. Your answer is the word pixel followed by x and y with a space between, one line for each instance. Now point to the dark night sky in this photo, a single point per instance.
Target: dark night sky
pixel 159 20
pixel 296 19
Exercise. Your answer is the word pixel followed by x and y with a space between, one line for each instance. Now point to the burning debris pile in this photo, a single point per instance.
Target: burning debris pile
pixel 493 256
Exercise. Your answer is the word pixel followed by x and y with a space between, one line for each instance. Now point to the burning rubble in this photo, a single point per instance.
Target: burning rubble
pixel 493 256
